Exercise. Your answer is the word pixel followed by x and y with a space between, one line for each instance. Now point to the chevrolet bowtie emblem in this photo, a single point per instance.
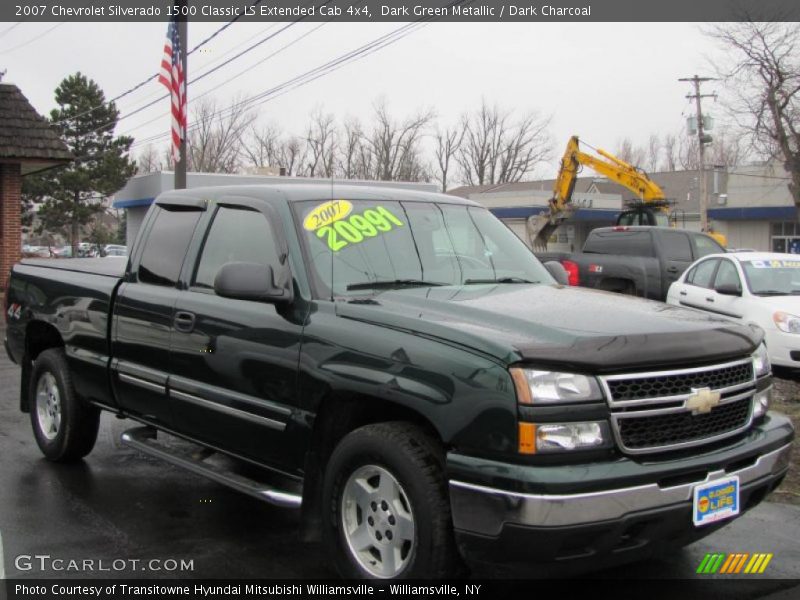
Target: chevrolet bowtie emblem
pixel 702 400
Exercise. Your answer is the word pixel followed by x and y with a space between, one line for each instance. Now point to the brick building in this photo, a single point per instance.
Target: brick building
pixel 27 144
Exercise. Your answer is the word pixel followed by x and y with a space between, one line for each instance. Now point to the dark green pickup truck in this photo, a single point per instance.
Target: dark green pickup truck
pixel 400 367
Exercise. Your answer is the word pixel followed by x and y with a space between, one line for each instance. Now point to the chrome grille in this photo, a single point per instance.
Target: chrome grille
pixel 677 384
pixel 681 427
pixel 649 411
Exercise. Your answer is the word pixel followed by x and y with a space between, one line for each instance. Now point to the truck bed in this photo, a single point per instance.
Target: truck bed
pixel 112 266
pixel 74 296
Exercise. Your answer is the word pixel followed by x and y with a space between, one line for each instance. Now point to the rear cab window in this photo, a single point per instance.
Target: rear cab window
pixel 629 243
pixel 166 245
pixel 705 245
pixel 675 246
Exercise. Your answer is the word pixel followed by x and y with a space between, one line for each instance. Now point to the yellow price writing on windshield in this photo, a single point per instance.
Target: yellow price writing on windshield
pixel 357 228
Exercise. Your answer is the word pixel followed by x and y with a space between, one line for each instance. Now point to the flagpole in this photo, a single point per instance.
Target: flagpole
pixel 183 33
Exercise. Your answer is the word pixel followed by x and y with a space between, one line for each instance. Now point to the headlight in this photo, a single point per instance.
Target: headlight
pixel 548 387
pixel 761 402
pixel 786 322
pixel 547 438
pixel 761 361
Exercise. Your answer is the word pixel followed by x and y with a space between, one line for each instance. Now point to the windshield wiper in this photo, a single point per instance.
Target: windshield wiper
pixel 771 293
pixel 377 285
pixel 500 280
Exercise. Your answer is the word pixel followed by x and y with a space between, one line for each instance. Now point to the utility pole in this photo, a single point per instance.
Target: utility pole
pixel 183 35
pixel 702 140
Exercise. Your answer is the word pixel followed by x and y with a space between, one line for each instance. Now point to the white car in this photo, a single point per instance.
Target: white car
pixel 750 287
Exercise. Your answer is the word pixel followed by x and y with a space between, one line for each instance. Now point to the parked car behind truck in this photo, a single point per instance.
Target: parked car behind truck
pixel 760 288
pixel 638 261
pixel 408 373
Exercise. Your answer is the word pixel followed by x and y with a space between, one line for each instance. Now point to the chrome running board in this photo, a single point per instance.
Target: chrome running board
pixel 144 440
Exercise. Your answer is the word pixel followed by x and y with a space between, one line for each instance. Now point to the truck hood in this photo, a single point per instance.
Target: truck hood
pixel 553 325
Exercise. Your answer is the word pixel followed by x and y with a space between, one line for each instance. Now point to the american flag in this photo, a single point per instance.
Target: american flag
pixel 171 75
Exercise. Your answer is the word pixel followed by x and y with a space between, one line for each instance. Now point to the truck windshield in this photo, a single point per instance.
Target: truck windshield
pixel 773 277
pixel 359 246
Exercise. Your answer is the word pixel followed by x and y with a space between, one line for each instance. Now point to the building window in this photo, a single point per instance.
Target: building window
pixel 786 237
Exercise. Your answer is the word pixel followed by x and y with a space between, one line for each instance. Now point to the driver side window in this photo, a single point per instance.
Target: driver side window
pixel 703 274
pixel 236 235
pixel 727 275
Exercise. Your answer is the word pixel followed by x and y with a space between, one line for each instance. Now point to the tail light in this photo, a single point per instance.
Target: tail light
pixel 6 305
pixel 572 272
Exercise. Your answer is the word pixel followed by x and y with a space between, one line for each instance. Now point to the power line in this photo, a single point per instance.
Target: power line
pixel 211 89
pixel 303 79
pixel 310 75
pixel 31 40
pixel 7 29
pixel 201 76
pixel 155 75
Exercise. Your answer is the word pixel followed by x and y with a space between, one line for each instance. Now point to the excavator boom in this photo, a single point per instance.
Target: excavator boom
pixel 653 204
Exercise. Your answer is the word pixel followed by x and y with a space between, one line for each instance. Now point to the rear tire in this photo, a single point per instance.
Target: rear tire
pixel 65 428
pixel 386 510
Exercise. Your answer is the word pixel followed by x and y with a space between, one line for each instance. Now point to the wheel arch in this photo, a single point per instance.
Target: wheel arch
pixel 340 414
pixel 618 285
pixel 39 336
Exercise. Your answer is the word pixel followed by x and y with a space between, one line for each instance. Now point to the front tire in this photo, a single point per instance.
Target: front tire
pixel 386 511
pixel 65 428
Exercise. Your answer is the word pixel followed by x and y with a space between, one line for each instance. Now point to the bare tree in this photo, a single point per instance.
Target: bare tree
pixel 321 144
pixel 393 148
pixel 727 149
pixel 264 147
pixel 688 153
pixel 626 151
pixel 670 154
pixel 762 72
pixel 653 152
pixel 498 149
pixel 147 161
pixel 292 155
pixel 349 150
pixel 214 142
pixel 448 141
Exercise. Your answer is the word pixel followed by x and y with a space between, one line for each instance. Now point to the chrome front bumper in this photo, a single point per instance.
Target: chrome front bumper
pixel 485 510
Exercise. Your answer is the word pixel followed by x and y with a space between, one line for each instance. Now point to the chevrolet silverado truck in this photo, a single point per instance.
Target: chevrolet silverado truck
pixel 401 368
pixel 634 260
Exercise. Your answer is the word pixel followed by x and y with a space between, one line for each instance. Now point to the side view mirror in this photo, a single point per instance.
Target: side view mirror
pixel 557 270
pixel 728 289
pixel 249 281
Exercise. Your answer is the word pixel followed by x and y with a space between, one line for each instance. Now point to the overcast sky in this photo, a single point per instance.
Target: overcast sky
pixel 602 81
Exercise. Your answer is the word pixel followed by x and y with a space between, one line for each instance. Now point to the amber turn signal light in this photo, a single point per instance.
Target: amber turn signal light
pixel 527 438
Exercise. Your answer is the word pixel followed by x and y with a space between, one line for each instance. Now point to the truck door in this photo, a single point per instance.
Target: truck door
pixel 697 291
pixel 727 304
pixel 142 321
pixel 234 363
pixel 676 255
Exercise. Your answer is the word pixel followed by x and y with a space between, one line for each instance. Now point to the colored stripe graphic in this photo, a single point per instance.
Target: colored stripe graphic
pixel 711 563
pixel 703 563
pixel 764 564
pixel 735 563
pixel 728 563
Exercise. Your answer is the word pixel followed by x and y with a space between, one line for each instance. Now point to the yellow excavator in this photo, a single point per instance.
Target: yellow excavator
pixel 651 207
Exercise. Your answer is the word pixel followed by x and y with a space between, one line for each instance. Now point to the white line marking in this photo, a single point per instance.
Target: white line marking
pixel 2 563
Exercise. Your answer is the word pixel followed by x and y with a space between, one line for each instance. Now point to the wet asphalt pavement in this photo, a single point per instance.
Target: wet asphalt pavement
pixel 123 506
